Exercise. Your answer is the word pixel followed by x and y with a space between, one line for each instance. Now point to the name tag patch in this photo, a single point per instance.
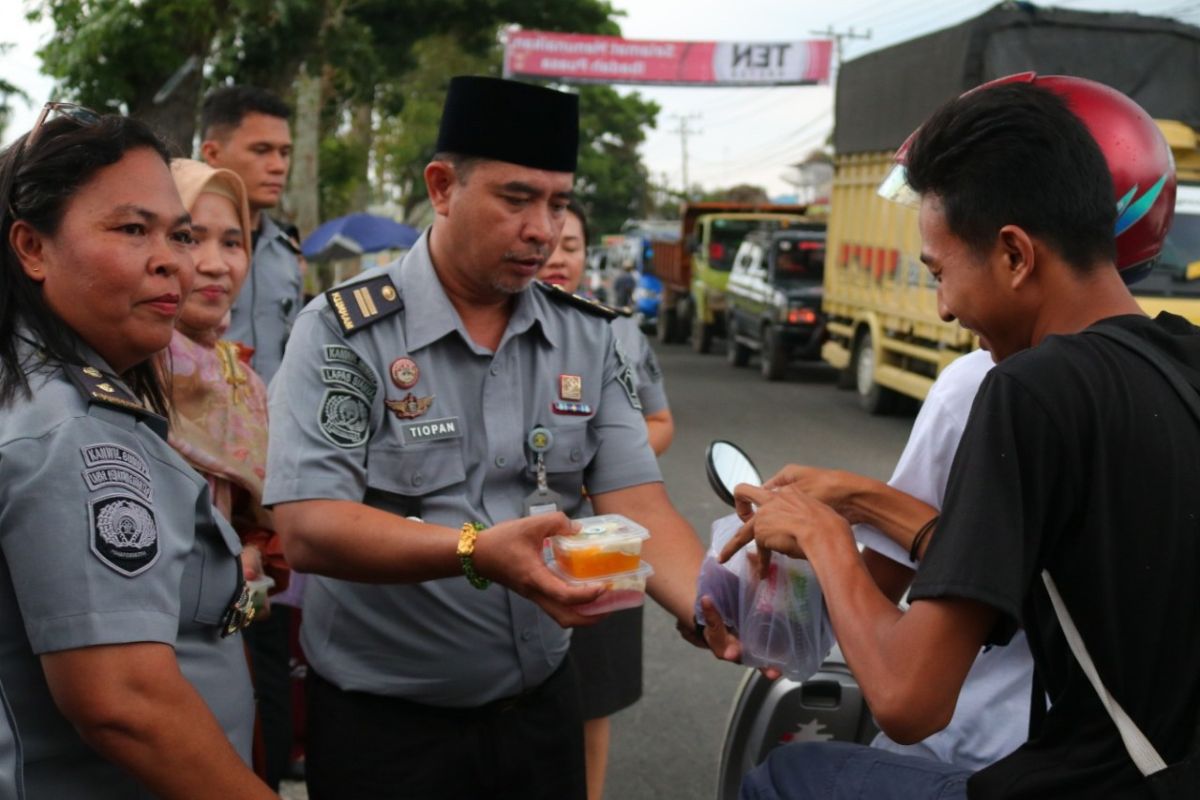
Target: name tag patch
pixel 432 430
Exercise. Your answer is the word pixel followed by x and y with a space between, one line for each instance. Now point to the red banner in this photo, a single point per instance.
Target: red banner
pixel 578 58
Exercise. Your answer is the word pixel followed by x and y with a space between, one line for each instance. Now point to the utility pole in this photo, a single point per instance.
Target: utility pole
pixel 683 130
pixel 839 37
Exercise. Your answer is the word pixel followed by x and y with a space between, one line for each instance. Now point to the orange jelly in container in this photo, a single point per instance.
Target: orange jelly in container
pixel 605 545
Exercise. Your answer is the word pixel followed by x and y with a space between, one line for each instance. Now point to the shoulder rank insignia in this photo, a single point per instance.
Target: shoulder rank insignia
pixel 583 303
pixel 107 390
pixel 359 305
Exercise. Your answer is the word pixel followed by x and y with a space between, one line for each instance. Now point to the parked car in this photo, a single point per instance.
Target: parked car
pixel 774 299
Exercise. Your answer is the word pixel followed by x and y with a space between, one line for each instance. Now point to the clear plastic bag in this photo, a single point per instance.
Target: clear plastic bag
pixel 780 620
pixel 783 627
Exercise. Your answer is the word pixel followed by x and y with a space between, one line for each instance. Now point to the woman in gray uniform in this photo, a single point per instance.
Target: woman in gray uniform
pixel 608 655
pixel 119 586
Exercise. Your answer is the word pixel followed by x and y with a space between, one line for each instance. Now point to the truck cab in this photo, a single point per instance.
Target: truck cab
pixel 774 299
pixel 714 244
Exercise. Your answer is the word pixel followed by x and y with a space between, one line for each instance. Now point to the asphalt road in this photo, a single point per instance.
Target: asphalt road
pixel 668 745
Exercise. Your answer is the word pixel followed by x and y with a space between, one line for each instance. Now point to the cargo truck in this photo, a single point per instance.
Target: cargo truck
pixel 695 271
pixel 884 331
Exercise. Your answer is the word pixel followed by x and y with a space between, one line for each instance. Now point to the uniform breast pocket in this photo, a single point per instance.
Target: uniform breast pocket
pixel 569 454
pixel 213 572
pixel 397 477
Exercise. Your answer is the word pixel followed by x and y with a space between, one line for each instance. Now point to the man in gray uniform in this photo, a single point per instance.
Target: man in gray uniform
pixel 245 129
pixel 423 414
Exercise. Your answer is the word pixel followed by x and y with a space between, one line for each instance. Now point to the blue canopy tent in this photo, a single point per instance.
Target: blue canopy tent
pixel 355 234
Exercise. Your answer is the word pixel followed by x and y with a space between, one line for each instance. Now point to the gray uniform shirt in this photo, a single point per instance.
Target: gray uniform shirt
pixel 464 457
pixel 650 388
pixel 11 784
pixel 263 314
pixel 106 537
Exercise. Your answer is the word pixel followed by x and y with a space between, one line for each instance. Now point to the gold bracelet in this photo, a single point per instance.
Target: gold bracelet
pixel 466 554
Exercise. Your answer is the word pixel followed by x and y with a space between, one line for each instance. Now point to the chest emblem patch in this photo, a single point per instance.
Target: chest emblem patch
pixel 124 534
pixel 570 387
pixel 410 406
pixel 405 373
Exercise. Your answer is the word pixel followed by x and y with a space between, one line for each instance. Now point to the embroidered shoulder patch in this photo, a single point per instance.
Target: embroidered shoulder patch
pixel 344 418
pixel 124 534
pixel 362 304
pixel 625 376
pixel 582 303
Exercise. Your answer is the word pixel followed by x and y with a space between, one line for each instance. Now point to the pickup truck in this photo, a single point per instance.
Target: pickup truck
pixel 773 300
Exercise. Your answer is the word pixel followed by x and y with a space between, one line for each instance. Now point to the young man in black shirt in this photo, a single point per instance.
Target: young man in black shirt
pixel 1080 459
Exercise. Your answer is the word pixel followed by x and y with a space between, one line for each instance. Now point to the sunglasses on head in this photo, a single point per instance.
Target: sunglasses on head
pixel 85 117
pixel 82 116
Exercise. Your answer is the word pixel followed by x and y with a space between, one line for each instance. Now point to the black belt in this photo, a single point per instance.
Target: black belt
pixel 500 706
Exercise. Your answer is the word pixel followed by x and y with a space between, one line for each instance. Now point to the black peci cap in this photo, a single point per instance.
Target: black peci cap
pixel 510 121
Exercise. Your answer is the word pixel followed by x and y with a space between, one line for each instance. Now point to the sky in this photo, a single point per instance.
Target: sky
pixel 737 135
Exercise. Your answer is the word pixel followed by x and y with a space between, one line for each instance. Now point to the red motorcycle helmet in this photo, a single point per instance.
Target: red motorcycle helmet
pixel 1142 167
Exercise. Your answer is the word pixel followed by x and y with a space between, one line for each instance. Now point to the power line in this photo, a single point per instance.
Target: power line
pixel 840 36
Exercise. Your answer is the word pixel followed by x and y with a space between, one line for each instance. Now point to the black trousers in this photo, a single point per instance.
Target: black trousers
pixel 268 644
pixel 367 747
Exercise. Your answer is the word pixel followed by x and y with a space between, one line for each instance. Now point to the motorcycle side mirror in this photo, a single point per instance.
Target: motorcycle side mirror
pixel 728 465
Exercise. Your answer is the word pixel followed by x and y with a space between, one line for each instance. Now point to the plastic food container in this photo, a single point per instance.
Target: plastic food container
pixel 258 591
pixel 606 545
pixel 627 590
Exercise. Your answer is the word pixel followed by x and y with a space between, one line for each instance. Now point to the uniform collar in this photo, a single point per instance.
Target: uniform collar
pixel 429 315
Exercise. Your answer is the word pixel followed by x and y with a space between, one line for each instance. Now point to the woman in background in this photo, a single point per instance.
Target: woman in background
pixel 218 403
pixel 608 655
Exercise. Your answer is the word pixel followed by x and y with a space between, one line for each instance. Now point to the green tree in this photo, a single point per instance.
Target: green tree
pixel 8 92
pixel 144 58
pixel 741 193
pixel 612 182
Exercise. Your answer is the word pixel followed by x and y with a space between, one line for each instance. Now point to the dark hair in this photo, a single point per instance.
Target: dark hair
pixel 1014 154
pixel 38 181
pixel 576 208
pixel 224 108
pixel 462 164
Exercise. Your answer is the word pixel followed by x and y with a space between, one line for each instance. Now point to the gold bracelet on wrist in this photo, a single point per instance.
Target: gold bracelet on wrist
pixel 466 554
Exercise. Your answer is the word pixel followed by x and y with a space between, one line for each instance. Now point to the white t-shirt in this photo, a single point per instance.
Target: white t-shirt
pixel 992 716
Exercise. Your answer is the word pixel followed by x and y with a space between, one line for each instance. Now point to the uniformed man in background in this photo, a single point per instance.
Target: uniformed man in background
pixel 423 416
pixel 245 129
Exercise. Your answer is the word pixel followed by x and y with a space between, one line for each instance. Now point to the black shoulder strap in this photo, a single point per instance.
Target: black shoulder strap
pixel 1138 345
pixel 362 304
pixel 107 390
pixel 582 303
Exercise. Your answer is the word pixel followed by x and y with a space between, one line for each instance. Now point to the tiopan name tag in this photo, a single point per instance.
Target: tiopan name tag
pixel 432 430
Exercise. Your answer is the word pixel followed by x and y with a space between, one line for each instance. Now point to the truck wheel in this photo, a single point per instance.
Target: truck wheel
pixel 774 354
pixel 702 335
pixel 736 353
pixel 665 329
pixel 873 398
